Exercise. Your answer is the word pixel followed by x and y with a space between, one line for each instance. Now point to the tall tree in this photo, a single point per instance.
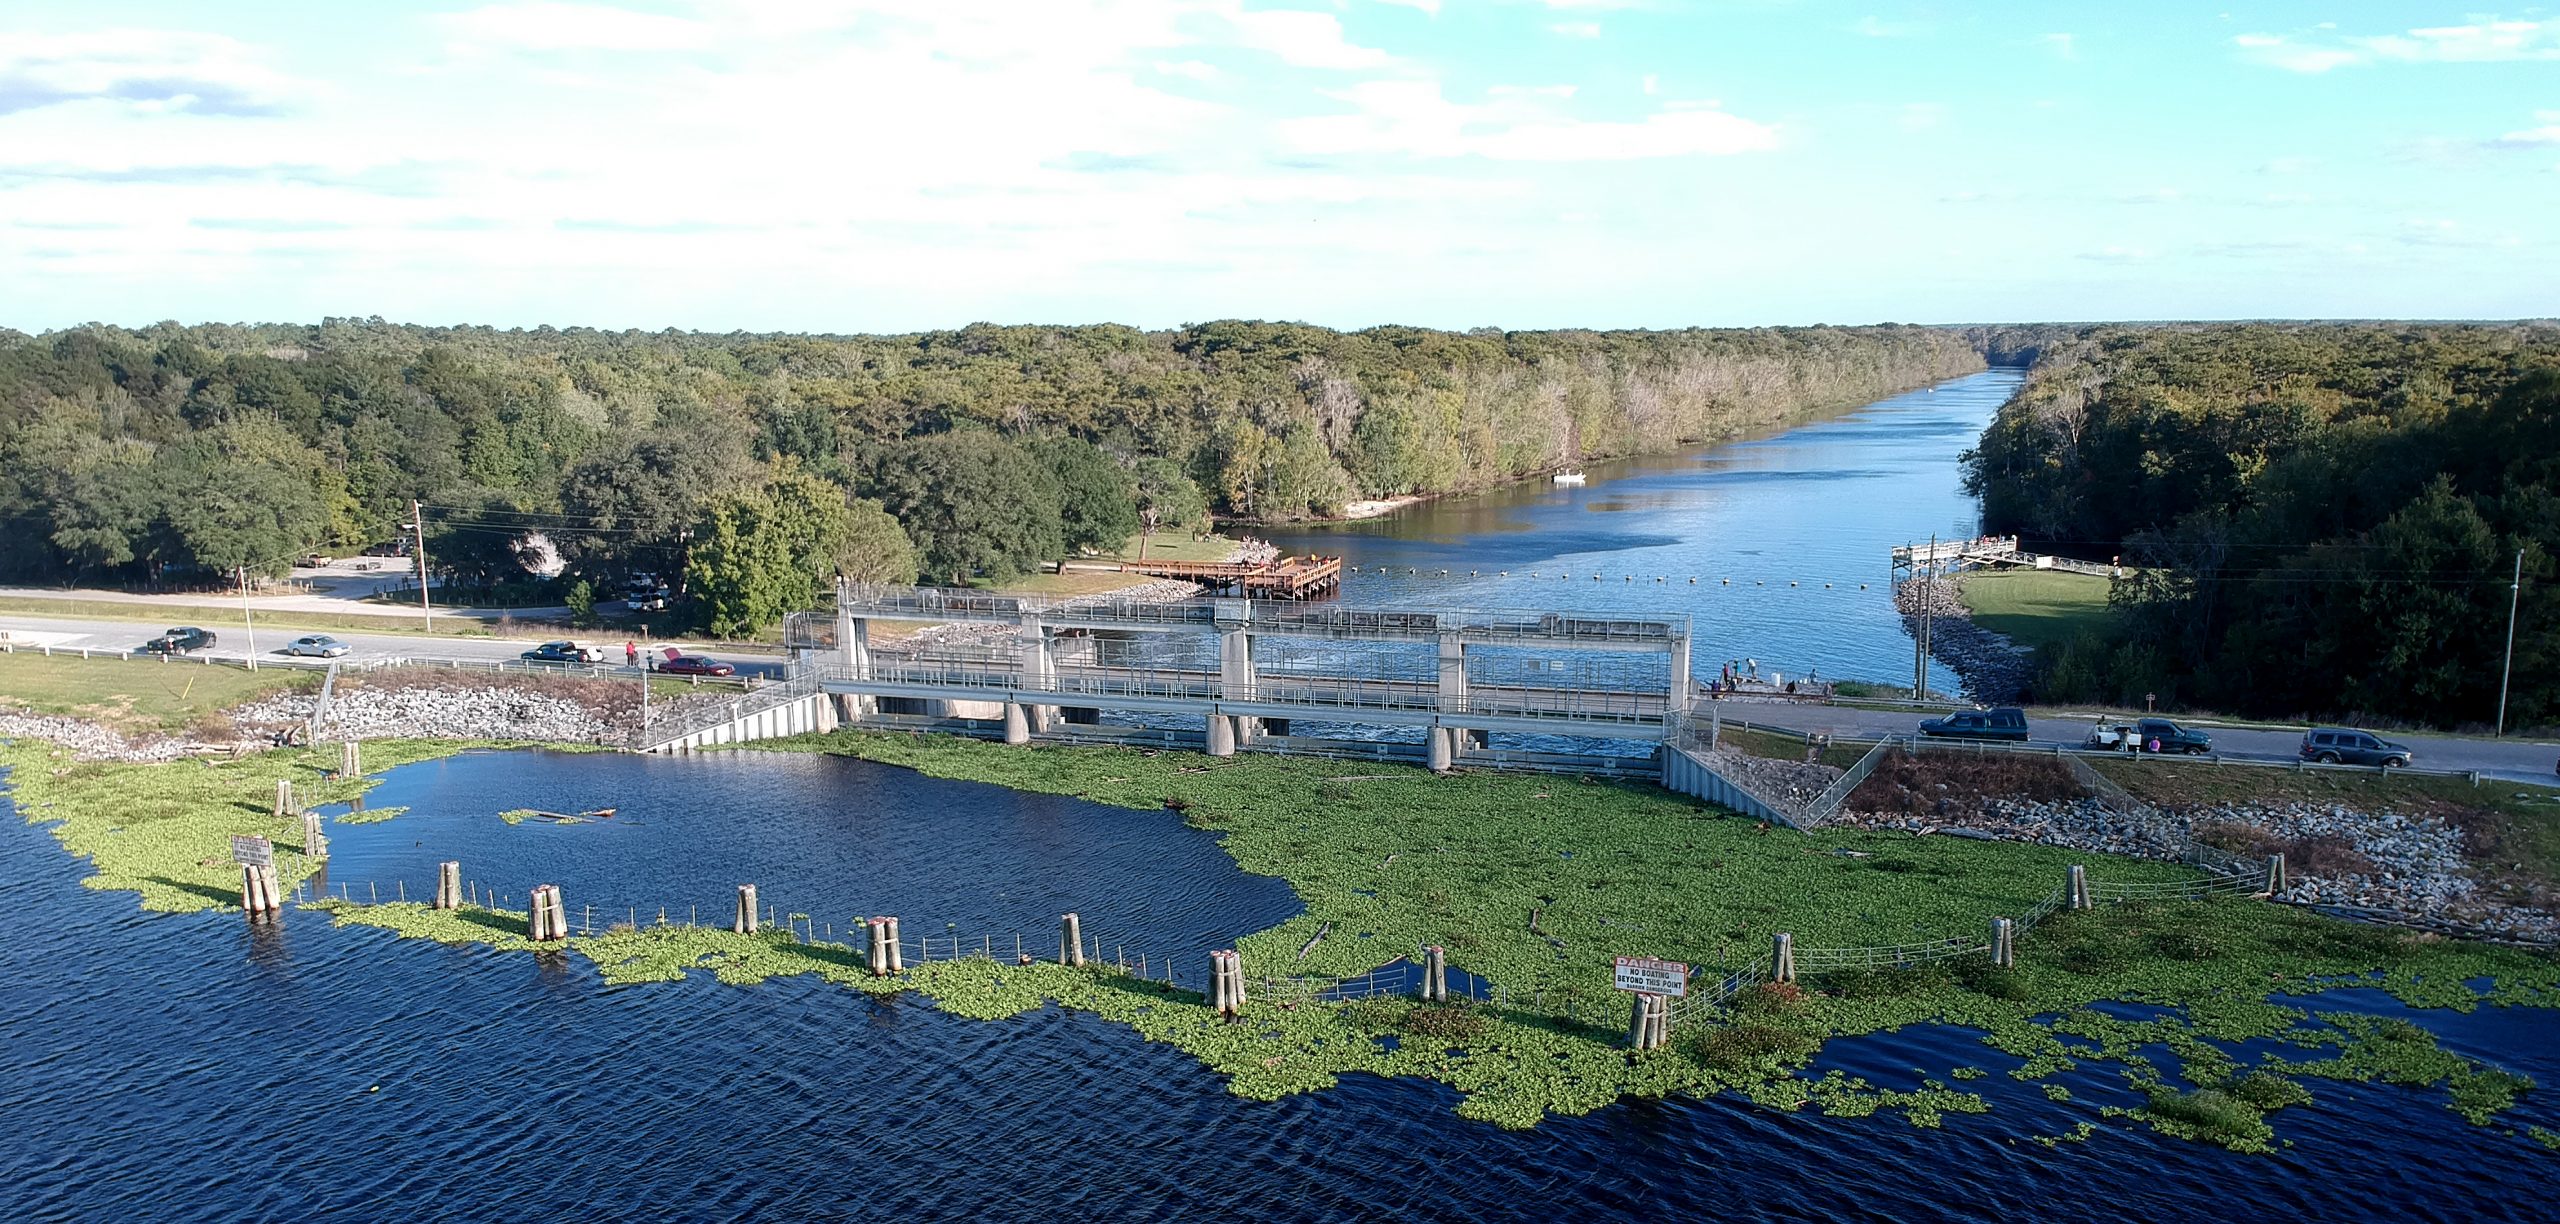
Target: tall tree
pixel 1097 507
pixel 973 503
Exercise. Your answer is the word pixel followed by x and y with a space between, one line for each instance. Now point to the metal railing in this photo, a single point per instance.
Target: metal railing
pixel 701 718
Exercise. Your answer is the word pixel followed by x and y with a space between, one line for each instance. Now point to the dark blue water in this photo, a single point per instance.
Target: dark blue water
pixel 196 1068
pixel 1815 504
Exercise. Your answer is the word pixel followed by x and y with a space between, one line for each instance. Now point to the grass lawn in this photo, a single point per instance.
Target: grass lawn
pixel 2036 608
pixel 139 694
pixel 226 620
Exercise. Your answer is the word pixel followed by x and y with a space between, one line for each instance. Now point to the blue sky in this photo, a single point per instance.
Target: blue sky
pixel 892 165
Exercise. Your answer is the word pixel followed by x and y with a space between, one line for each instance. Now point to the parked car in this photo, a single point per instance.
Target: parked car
pixel 317 645
pixel 2348 746
pixel 314 561
pixel 183 640
pixel 2162 735
pixel 695 665
pixel 646 601
pixel 565 652
pixel 2003 723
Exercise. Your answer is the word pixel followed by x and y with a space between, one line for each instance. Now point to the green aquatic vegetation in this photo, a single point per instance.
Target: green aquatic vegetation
pixel 163 832
pixel 2211 1115
pixel 2549 1139
pixel 1607 869
pixel 2056 1092
pixel 370 815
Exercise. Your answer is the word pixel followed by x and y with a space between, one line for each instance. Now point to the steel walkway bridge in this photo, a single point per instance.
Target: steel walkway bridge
pixel 1247 673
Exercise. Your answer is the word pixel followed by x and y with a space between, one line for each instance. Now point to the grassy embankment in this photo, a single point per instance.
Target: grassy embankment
pixel 2036 608
pixel 136 695
pixel 1394 858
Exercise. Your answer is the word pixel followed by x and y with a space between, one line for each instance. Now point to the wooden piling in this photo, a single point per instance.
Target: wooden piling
pixel 2277 882
pixel 537 916
pixel 2004 944
pixel 284 798
pixel 897 954
pixel 315 843
pixel 351 761
pixel 1071 940
pixel 2079 887
pixel 1435 975
pixel 745 922
pixel 448 885
pixel 1782 957
pixel 875 956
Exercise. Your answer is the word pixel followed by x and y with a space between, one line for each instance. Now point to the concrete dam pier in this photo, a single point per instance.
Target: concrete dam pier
pixel 1225 675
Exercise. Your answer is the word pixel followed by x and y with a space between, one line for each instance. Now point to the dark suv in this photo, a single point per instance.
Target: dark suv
pixel 2005 723
pixel 180 641
pixel 2347 746
pixel 2161 735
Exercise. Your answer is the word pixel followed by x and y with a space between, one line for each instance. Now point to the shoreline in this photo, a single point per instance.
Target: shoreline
pixel 1362 510
pixel 1566 1048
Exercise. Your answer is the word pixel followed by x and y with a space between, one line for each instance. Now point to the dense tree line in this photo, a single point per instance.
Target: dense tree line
pixel 2325 518
pixel 132 456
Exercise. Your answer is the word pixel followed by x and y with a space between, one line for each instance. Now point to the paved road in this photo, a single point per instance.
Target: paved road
pixel 2523 760
pixel 233 642
pixel 2531 761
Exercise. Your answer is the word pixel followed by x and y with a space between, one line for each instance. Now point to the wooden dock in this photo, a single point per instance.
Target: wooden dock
pixel 1281 578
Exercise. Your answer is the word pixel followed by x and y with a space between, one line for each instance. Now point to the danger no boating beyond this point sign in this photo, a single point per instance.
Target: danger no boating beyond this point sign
pixel 1645 975
pixel 252 851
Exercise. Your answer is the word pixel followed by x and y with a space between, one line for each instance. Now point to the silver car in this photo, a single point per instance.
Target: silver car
pixel 318 645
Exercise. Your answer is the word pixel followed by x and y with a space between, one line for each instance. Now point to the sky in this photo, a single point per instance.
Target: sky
pixel 900 165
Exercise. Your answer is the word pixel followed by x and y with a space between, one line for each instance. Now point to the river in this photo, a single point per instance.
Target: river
pixel 194 1067
pixel 1788 536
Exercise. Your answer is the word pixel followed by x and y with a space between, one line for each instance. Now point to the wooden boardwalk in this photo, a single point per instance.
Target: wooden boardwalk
pixel 1282 578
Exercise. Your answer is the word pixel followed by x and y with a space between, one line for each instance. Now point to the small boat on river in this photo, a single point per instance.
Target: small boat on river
pixel 1574 477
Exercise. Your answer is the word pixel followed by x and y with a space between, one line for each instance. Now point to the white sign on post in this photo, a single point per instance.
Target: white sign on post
pixel 252 851
pixel 1645 975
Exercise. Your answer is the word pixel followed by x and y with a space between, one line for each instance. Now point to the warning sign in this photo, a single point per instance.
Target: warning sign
pixel 252 851
pixel 1645 975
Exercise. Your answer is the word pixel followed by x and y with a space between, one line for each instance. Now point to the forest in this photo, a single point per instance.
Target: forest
pixel 751 467
pixel 2319 519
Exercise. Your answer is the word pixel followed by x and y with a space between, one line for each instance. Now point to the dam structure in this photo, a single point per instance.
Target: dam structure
pixel 1495 687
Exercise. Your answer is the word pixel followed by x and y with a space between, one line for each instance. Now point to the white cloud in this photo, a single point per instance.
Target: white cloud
pixel 1431 7
pixel 2528 138
pixel 1304 39
pixel 1877 27
pixel 1189 70
pixel 1575 29
pixel 144 71
pixel 1414 118
pixel 1920 116
pixel 547 25
pixel 2065 46
pixel 2486 40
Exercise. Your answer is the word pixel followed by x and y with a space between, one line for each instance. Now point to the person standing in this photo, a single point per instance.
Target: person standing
pixel 630 654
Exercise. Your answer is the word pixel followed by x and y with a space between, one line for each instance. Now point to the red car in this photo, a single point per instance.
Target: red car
pixel 694 665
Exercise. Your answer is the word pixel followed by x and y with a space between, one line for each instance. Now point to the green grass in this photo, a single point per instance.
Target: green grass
pixel 2037 608
pixel 136 694
pixel 1394 858
pixel 226 620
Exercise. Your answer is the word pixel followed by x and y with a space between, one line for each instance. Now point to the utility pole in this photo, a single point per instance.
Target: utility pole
pixel 1928 618
pixel 252 620
pixel 2515 596
pixel 418 524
